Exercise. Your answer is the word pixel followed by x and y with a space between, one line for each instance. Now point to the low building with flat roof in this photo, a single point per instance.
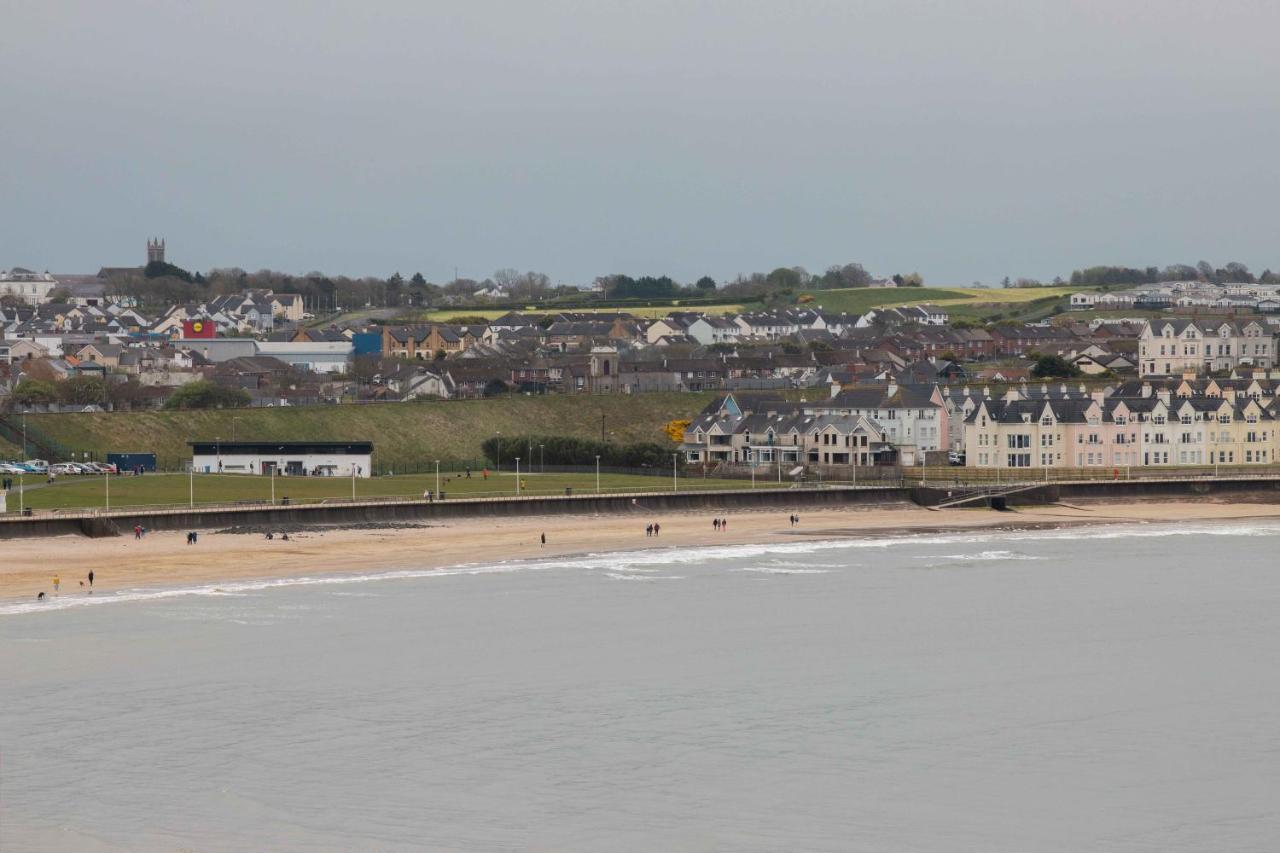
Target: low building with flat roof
pixel 285 458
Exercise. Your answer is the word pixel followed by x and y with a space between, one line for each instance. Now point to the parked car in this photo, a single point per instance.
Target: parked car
pixel 955 457
pixel 37 465
pixel 10 468
pixel 63 468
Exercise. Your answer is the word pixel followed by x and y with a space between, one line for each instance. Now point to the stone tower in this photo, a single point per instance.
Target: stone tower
pixel 155 251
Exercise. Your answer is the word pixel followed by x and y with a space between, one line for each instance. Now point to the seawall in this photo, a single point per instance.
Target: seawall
pixel 115 522
pixel 102 523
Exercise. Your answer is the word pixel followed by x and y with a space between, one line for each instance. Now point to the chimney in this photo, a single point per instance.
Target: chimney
pixel 1163 395
pixel 1146 389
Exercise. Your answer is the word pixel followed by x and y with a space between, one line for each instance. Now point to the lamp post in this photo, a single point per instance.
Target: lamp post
pixel 597 475
pixel 24 435
pixel 233 426
pixel 675 481
pixel 106 484
pixel 542 460
pixel 273 485
pixel 517 476
pixel 191 483
pixel 437 479
pixel 497 465
pixel 22 495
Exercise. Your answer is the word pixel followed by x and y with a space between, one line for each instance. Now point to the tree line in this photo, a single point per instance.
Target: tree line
pixel 1232 272
pixel 561 450
pixel 160 284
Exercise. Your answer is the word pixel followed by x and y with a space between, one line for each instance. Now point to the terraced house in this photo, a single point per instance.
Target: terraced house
pixel 859 427
pixel 1120 432
pixel 1172 347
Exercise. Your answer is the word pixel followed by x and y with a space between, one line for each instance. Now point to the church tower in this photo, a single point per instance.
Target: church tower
pixel 155 251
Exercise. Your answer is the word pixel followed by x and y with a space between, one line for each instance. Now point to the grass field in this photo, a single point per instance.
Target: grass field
pixel 405 436
pixel 649 311
pixel 78 492
pixel 968 303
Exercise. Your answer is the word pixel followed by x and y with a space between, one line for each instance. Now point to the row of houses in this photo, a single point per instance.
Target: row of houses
pixel 1168 422
pixel 1234 296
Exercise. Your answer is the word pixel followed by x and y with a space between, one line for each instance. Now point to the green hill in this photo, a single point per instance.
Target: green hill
pixel 405 436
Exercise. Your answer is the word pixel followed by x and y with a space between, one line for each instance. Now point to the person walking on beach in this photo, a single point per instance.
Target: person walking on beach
pixel 724 525
pixel 56 583
pixel 91 579
pixel 657 528
pixel 648 530
pixel 544 540
pixel 137 532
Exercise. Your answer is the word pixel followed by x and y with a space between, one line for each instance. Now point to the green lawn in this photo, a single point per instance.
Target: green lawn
pixel 70 492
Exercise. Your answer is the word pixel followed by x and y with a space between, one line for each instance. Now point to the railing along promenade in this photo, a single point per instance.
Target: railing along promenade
pixel 985 479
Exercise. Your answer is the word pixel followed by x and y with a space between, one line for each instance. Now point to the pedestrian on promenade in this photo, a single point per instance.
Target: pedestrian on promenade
pixel 91 579
pixel 544 540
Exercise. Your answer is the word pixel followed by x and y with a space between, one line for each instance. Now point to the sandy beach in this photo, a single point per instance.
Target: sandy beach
pixel 163 559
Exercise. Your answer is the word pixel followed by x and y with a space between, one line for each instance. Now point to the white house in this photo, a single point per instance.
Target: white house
pixel 31 287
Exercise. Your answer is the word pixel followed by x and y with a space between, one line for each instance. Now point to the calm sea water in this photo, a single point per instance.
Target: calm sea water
pixel 1111 689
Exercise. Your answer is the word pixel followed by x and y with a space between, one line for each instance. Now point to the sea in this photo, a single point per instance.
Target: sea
pixel 1111 688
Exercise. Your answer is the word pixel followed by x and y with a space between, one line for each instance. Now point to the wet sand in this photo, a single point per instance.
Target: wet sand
pixel 164 559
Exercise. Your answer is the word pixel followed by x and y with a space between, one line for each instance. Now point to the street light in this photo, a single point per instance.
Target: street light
pixel 437 479
pixel 675 482
pixel 517 476
pixel 597 475
pixel 497 465
pixel 542 461
pixel 233 426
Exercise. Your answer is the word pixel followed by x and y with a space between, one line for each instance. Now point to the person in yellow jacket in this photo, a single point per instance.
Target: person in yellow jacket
pixel 56 582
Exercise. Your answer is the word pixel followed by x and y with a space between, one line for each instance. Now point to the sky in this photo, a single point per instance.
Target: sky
pixel 964 140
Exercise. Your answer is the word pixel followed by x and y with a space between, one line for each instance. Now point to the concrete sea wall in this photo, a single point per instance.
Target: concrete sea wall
pixel 340 513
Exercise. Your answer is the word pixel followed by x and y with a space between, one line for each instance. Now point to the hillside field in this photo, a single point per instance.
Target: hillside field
pixel 405 436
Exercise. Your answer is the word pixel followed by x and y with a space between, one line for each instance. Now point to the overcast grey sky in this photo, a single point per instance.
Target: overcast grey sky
pixel 966 140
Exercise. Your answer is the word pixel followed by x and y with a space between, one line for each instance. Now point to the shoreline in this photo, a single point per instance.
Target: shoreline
pixel 162 560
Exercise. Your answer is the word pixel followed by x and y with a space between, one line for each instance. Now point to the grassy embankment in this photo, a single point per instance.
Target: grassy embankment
pixel 71 492
pixel 405 436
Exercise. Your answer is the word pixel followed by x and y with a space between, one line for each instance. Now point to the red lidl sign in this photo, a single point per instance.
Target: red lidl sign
pixel 198 329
